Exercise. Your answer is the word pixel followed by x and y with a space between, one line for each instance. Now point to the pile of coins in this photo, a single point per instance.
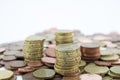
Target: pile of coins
pixel 67 59
pixel 33 48
pixel 90 51
pixel 64 36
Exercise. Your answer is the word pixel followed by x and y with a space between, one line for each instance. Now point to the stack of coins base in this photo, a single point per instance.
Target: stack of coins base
pixel 67 59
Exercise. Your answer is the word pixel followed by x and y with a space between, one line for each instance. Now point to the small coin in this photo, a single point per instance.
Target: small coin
pixel 92 68
pixel 116 62
pixel 110 58
pixel 115 70
pixel 11 53
pixel 90 77
pixel 5 74
pixel 17 64
pixel 48 60
pixel 34 64
pixel 44 73
pixel 25 69
pixel 19 55
pixel 102 63
pixel 9 58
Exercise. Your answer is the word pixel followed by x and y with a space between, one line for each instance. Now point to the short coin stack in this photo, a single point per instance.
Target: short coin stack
pixel 64 36
pixel 33 48
pixel 90 51
pixel 67 59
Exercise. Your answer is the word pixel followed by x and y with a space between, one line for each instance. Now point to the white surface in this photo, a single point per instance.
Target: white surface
pixel 21 18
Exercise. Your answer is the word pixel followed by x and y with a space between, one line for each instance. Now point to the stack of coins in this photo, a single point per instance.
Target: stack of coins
pixel 33 48
pixel 90 51
pixel 64 36
pixel 67 59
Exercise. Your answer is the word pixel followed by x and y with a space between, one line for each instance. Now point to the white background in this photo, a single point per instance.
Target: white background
pixel 21 18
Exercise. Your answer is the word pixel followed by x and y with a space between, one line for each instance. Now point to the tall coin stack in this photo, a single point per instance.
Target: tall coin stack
pixel 64 36
pixel 33 48
pixel 67 59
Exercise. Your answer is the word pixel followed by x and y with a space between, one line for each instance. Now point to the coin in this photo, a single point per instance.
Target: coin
pixel 110 58
pixel 107 78
pixel 5 74
pixel 17 64
pixel 44 73
pixel 102 63
pixel 34 64
pixel 90 77
pixel 11 53
pixel 115 70
pixel 48 60
pixel 9 58
pixel 92 68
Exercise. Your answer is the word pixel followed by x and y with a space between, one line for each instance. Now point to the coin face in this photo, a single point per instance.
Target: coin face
pixel 115 69
pixel 92 68
pixel 110 58
pixel 17 64
pixel 11 53
pixel 44 73
pixel 9 58
pixel 34 64
pixel 90 77
pixel 102 63
pixel 5 74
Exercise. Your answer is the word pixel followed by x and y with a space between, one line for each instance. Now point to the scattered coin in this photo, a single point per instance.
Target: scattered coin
pixel 17 64
pixel 50 52
pixel 35 64
pixel 90 77
pixel 44 73
pixel 102 63
pixel 5 74
pixel 48 60
pixel 9 58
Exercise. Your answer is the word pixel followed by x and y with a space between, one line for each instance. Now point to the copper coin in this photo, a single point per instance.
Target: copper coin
pixel 2 50
pixel 49 65
pixel 34 64
pixel 92 56
pixel 102 63
pixel 116 62
pixel 48 60
pixel 9 58
pixel 25 69
pixel 17 64
pixel 90 77
pixel 50 52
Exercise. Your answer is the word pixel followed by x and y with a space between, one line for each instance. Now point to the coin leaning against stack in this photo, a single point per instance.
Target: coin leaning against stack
pixel 33 48
pixel 67 59
pixel 63 36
